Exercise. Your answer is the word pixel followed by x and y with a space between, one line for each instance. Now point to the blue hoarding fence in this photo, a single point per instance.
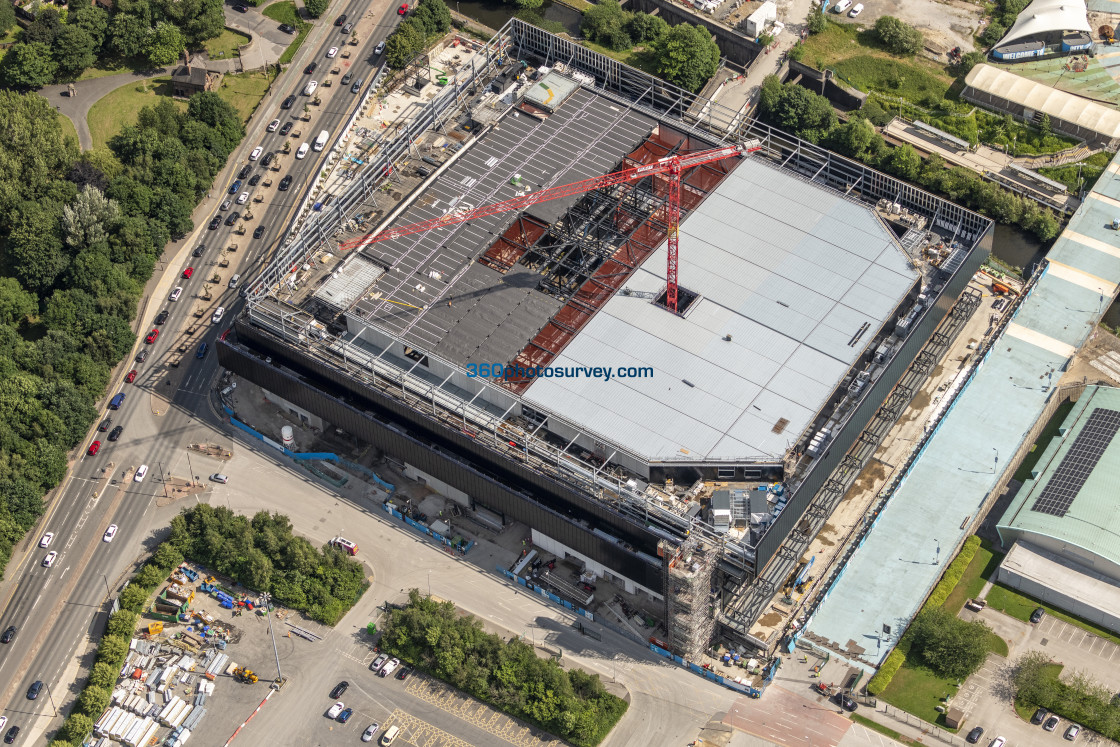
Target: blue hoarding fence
pixel 453 545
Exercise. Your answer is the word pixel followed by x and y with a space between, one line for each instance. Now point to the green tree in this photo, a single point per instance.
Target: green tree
pixel 607 23
pixel 16 304
pixel 122 624
pixel 102 675
pixel 687 56
pixel 28 66
pixel 74 50
pixel 796 109
pixel 403 45
pixel 316 8
pixel 93 700
pixel 1044 126
pixel 433 16
pixel 76 728
pixel 905 162
pixel 797 52
pixel 898 37
pixel 645 28
pixel 993 33
pixel 34 248
pixel 112 650
pixel 855 137
pixel 133 598
pixel 94 19
pixel 196 20
pixel 128 35
pixel 165 44
pixel 817 20
pixel 7 15
pixel 948 645
pixel 44 28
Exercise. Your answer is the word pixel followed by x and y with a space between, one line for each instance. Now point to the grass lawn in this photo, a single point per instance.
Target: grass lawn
pixel 284 12
pixel 636 57
pixel 290 52
pixel 919 691
pixel 122 106
pixel 997 645
pixel 1020 606
pixel 1031 459
pixel 112 66
pixel 885 730
pixel 68 129
pixel 244 91
pixel 225 46
pixel 983 565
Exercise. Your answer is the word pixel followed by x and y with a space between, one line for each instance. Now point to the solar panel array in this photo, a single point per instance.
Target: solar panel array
pixel 1078 463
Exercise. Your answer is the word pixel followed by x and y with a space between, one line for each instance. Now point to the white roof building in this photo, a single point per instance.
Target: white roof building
pixel 1046 16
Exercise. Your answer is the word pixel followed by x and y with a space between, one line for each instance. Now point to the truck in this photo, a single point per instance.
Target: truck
pixel 321 141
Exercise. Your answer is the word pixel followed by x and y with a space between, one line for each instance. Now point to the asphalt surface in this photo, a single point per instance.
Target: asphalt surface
pixel 59 610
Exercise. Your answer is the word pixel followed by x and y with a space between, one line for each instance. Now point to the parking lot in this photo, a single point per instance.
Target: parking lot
pixel 947 24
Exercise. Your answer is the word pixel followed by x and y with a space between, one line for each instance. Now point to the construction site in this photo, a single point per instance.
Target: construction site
pixel 667 347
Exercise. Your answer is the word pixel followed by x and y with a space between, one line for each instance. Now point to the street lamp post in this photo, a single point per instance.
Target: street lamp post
pixel 162 478
pixel 51 696
pixel 268 611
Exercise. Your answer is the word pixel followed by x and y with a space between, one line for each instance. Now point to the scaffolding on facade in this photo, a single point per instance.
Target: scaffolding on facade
pixel 691 618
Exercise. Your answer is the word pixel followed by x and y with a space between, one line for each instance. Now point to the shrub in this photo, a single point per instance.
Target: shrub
pixel 953 573
pixel 122 624
pixel 889 668
pixel 112 651
pixel 898 37
pixel 316 8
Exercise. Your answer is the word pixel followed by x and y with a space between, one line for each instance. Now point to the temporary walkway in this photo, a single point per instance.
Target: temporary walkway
pixel 928 516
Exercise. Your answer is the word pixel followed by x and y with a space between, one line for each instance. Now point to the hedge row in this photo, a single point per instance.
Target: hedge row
pixel 937 597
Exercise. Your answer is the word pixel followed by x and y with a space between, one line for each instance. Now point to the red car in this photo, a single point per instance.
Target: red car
pixel 152 336
pixel 131 376
pixel 403 10
pixel 94 447
pixel 187 273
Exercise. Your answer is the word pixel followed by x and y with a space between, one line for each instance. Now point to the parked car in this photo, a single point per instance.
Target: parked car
pixel 379 662
pixel 1051 723
pixel 232 218
pixel 347 78
pixel 116 433
pixel 287 28
pixel 259 231
pixel 110 533
pixel 345 715
pixel 403 674
pixel 219 477
pixel 1073 731
pixel 841 6
pixel 9 634
pixel 357 86
pixel 335 709
pixel 389 667
pixel 274 125
pixel 1039 716
pixel 844 702
pixel 130 376
pixel 286 128
pixel 1038 614
pixel 255 180
pixel 242 198
pixel 998 742
pixel 974 735
pixel 856 10
pixel 403 10
pixel 241 8
pixel 370 732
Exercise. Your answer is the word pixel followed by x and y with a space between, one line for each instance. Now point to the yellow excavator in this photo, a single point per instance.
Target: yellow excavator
pixel 244 675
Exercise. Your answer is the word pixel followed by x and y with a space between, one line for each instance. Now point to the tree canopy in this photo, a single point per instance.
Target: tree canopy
pixel 897 36
pixel 687 56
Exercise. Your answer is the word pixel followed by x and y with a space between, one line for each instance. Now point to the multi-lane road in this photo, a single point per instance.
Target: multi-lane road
pixel 60 609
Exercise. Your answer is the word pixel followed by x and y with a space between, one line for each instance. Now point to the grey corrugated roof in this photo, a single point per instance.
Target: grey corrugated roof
pixel 791 271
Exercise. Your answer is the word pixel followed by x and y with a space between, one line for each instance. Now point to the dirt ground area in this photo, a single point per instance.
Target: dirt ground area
pixel 944 23
pixel 1102 348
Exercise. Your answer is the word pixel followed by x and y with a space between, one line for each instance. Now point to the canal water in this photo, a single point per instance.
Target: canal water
pixel 495 14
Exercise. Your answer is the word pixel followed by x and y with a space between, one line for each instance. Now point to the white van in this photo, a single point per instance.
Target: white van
pixel 389 735
pixel 310 88
pixel 841 6
pixel 321 141
pixel 302 150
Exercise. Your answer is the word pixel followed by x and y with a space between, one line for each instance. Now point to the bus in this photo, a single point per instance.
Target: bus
pixel 345 544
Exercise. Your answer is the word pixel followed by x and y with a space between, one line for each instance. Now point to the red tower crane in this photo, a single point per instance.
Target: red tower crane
pixel 671 166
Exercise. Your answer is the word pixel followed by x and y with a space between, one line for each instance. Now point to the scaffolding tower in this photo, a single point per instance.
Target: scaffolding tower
pixel 691 617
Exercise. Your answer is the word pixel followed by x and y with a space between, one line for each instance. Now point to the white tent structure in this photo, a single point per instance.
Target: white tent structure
pixel 1047 16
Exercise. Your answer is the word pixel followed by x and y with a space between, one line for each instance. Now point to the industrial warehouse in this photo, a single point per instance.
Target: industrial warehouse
pixel 582 216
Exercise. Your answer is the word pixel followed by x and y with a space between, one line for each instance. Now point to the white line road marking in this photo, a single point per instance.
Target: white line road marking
pixel 36 601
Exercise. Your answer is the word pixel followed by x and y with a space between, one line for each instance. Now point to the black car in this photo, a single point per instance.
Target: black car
pixel 403 674
pixel 245 171
pixel 287 29
pixel 258 232
pixel 267 158
pixel 1038 614
pixel 11 735
pixel 339 689
pixel 234 187
pixel 215 222
pixel 255 180
pixel 162 317
pixel 340 20
pixel 286 128
pixel 199 250
pixel 974 735
pixel 310 68
pixel 105 424
pixel 142 356
pixel 285 183
pixel 116 433
pixel 34 690
pixel 9 634
pixel 232 218
pixel 241 8
pixel 1039 716
pixel 288 102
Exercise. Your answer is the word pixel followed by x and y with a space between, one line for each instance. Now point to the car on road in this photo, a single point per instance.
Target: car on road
pixel 94 448
pixel 241 8
pixel 332 51
pixel 130 376
pixel 1051 723
pixel 274 125
pixel 256 153
pixel 340 20
pixel 302 150
pixel 335 709
pixel 187 273
pixel 287 28
pixel 218 313
pixel 226 205
pixel 856 10
pixel 259 231
pixel 245 171
pixel 1038 614
pixel 286 128
pixel 232 218
pixel 285 183
pixel 215 222
pixel 288 103
pixel 219 477
pixel 140 473
pixel 104 425
pixel 9 634
pixel 142 355
pixel 116 433
pixel 198 250
pixel 347 78
pixel 310 68
pixel 267 158
pixel 309 89
pixel 48 561
pixel 403 674
pixel 974 735
pixel 202 348
pixel 403 10
pixel 376 664
pixel 242 198
pixel 10 737
pixel 345 715
pixel 370 732
pixel 379 48
pixel 255 180
pixel 1039 716
pixel 176 293
pixel 152 336
pixel 110 533
pixel 1073 731
pixel 162 317
pixel 357 86
pixel 348 28
pixel 233 188
pixel 338 690
pixel 37 685
pixel 46 540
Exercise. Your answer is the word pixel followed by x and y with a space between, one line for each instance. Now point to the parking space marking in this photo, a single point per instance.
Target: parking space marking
pixel 477 713
pixel 421 733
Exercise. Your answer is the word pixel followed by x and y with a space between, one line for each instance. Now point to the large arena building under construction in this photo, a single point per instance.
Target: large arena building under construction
pixel 684 454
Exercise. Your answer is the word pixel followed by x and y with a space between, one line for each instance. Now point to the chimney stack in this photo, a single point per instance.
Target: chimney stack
pixel 187 59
